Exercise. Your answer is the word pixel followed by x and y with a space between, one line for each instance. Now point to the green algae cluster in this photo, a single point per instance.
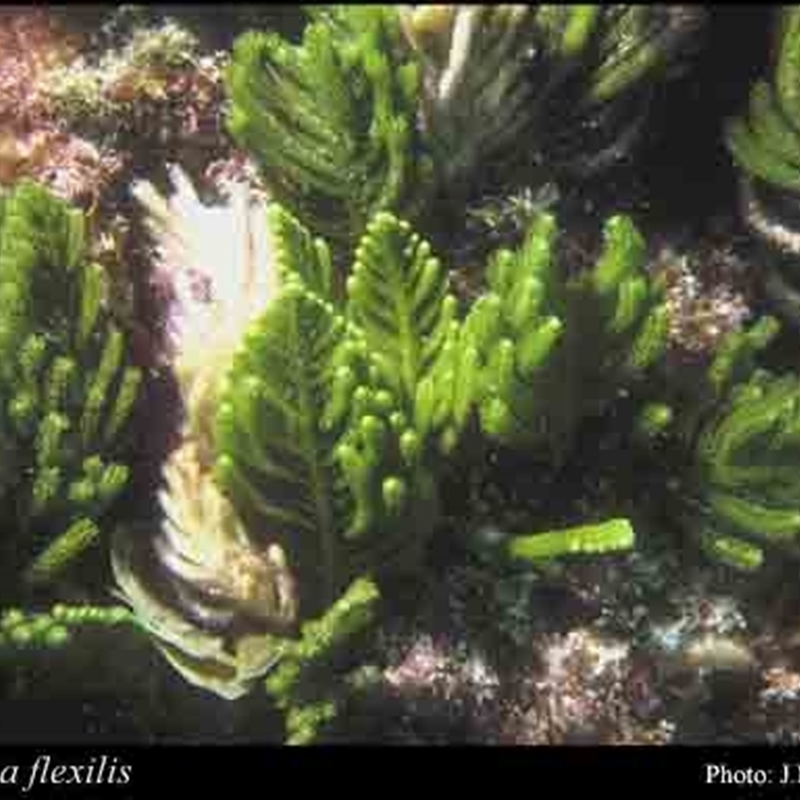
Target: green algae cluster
pixel 368 375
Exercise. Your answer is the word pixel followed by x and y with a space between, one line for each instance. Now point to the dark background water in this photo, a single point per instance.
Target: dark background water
pixel 689 171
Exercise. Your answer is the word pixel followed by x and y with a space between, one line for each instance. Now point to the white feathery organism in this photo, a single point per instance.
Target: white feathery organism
pixel 229 592
pixel 218 260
